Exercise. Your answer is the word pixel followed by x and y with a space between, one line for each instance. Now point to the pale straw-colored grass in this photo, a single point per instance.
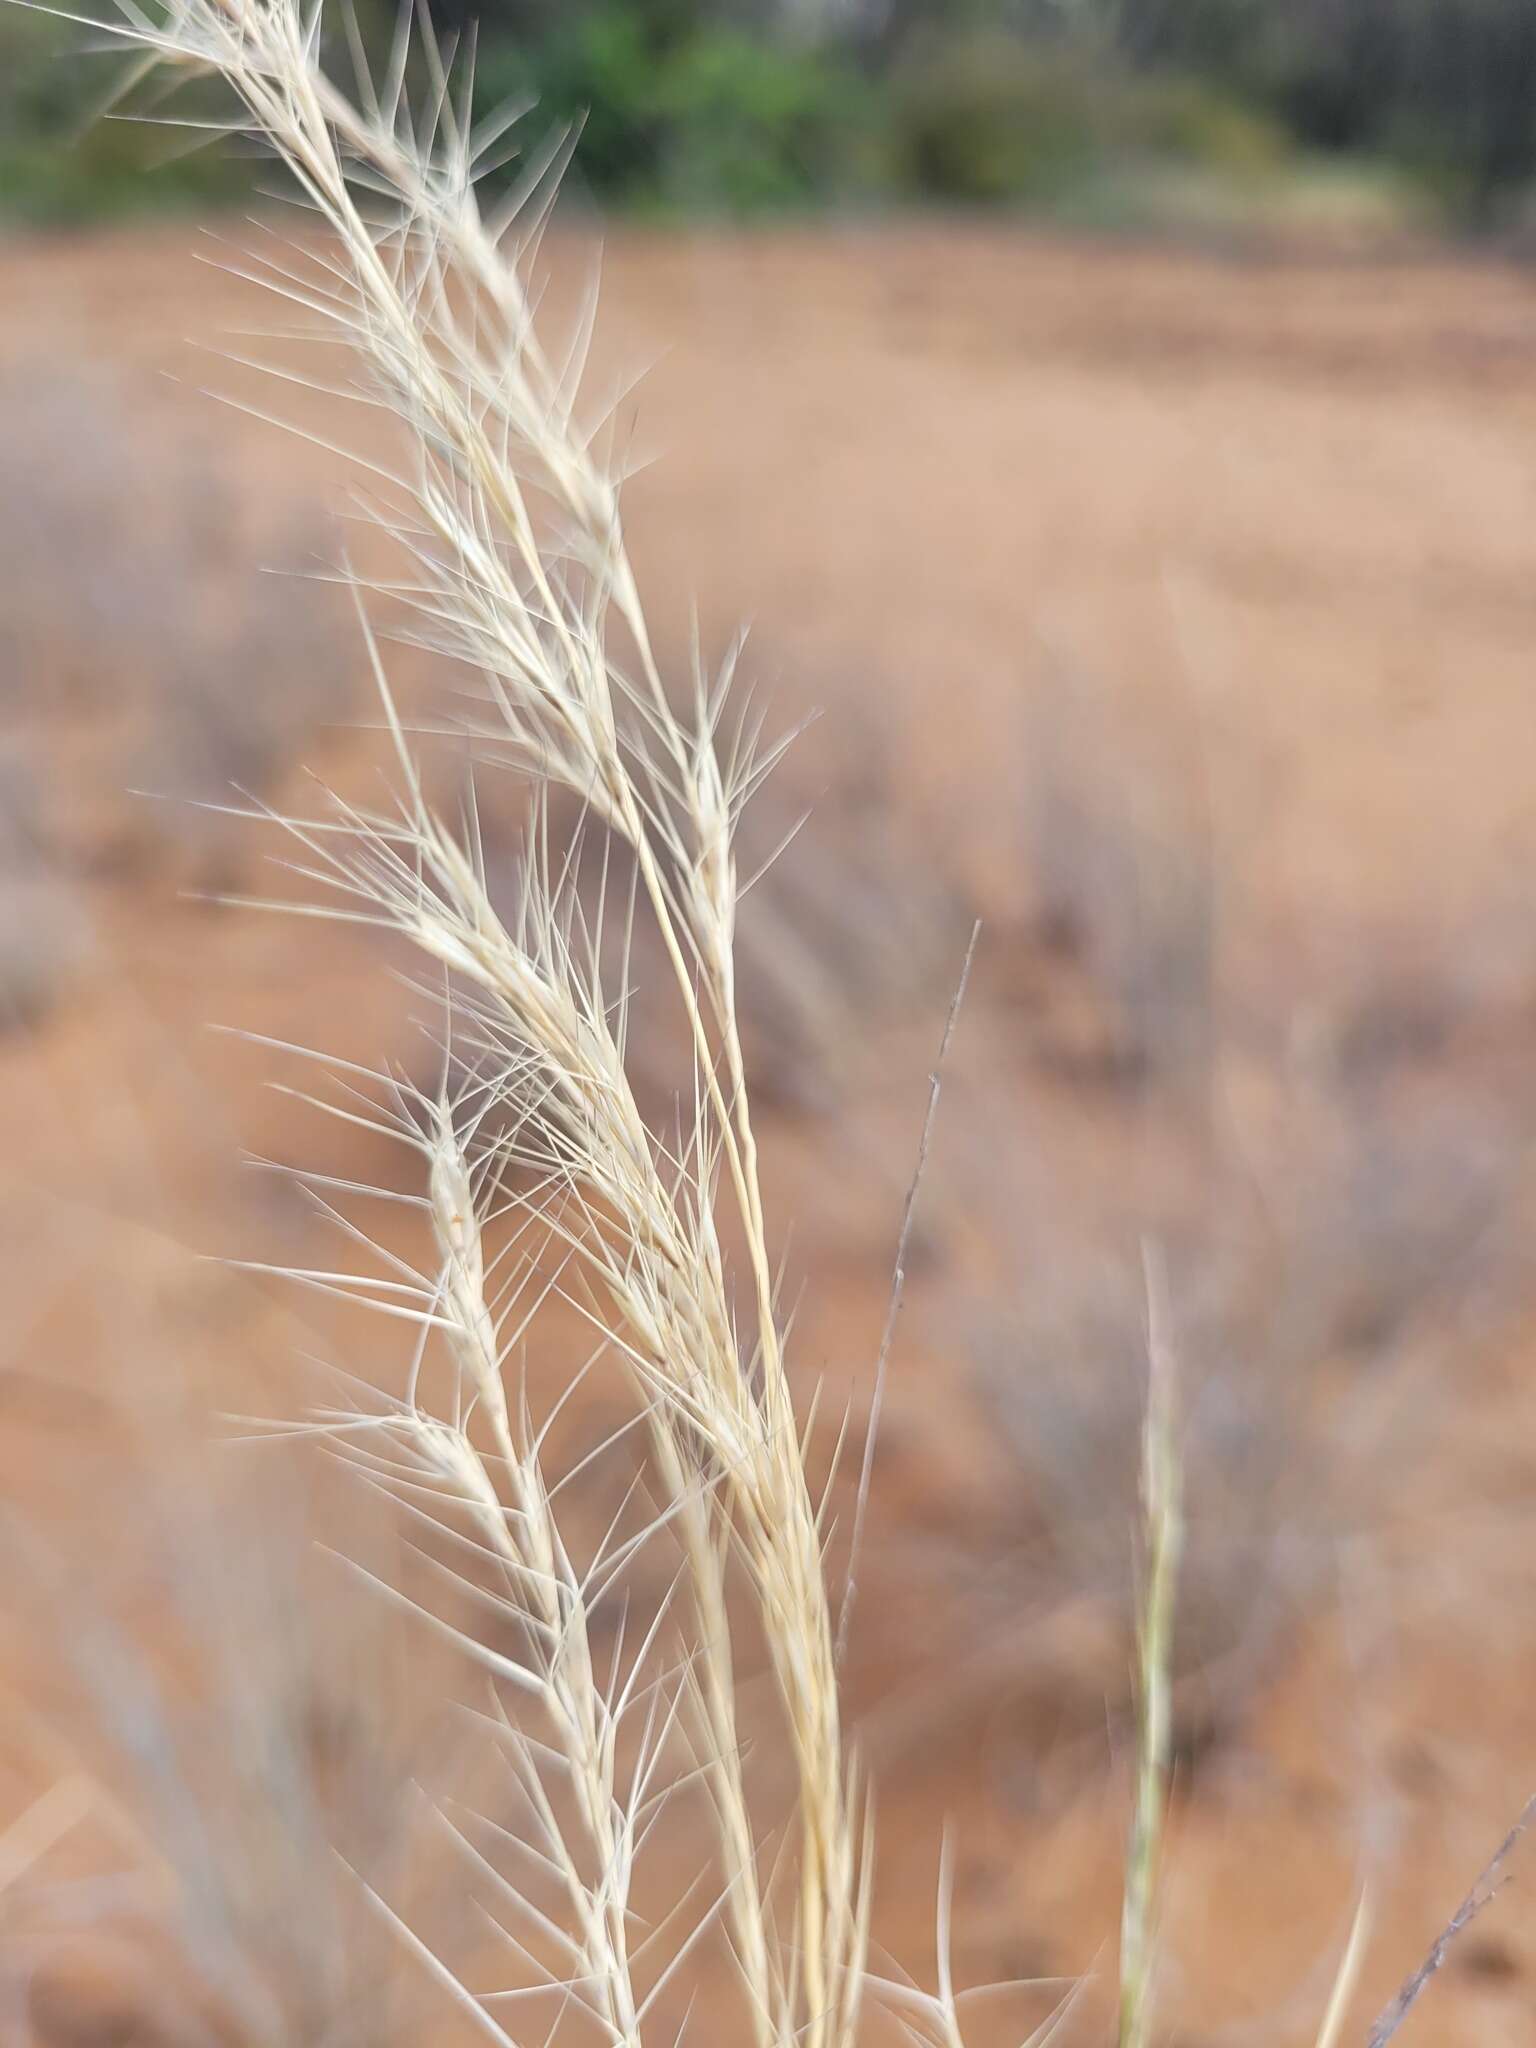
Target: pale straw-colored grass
pixel 518 568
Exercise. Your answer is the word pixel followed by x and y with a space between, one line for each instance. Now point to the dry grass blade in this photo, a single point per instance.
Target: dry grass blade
pixel 1482 1893
pixel 898 1289
pixel 47 1820
pixel 1347 1976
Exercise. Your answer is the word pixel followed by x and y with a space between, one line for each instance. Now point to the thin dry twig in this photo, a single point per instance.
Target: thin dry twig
pixel 1483 1892
pixel 1347 1976
pixel 898 1291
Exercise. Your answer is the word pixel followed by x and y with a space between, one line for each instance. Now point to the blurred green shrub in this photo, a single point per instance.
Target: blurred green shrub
pixel 1446 89
pixel 989 118
pixel 598 68
pixel 710 117
pixel 750 125
pixel 58 162
pixel 1155 113
pixel 1192 122
pixel 992 117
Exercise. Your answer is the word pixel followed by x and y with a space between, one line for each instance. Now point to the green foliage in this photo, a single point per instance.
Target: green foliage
pixel 1076 107
pixel 1446 88
pixel 59 163
pixel 989 118
pixel 710 117
pixel 752 126
pixel 1189 121
pixel 599 69
pixel 993 117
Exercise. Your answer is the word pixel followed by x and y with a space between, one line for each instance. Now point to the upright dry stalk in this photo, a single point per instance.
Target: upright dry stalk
pixel 518 568
pixel 1162 1535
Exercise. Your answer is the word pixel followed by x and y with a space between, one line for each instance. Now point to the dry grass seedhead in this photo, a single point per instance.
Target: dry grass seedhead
pixel 507 527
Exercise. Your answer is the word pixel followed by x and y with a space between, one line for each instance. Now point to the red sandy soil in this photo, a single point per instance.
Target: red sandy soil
pixel 1259 539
